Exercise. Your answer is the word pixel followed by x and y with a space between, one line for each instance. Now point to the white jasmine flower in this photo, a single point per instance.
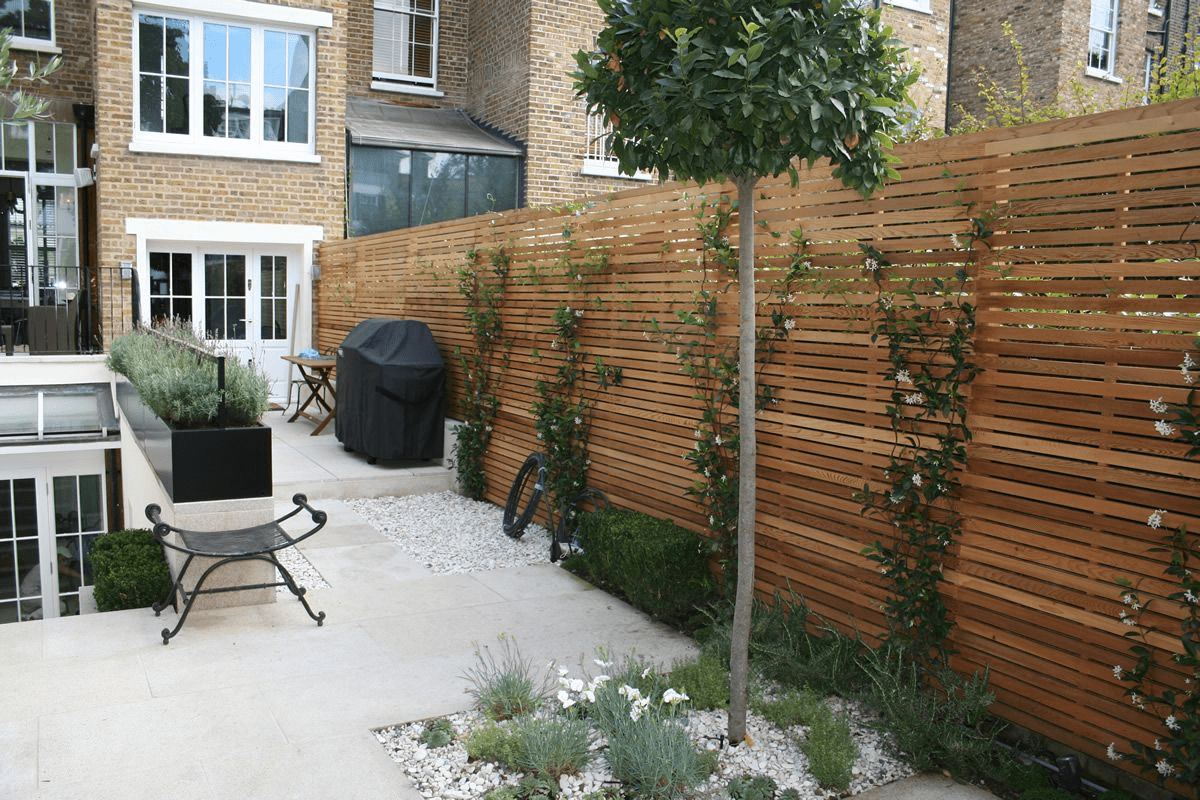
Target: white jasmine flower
pixel 578 421
pixel 1171 723
pixel 1118 671
pixel 578 313
pixel 1164 767
pixel 916 479
pixel 872 265
pixel 1164 428
pixel 1158 406
pixel 789 323
pixel 1190 596
pixel 903 376
pixel 718 441
pixel 1157 744
pixel 954 241
pixel 1156 518
pixel 914 399
pixel 1112 752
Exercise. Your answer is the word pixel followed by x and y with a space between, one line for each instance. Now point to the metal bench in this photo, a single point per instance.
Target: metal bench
pixel 259 543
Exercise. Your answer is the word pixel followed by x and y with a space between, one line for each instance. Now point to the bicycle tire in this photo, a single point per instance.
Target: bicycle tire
pixel 567 530
pixel 514 524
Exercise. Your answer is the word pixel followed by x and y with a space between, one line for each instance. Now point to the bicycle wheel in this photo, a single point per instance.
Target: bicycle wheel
pixel 534 467
pixel 566 533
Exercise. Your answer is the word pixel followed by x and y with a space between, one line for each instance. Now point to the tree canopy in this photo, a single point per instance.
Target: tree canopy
pixel 708 89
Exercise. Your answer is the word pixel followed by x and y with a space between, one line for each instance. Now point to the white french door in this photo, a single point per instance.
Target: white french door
pixel 240 298
pixel 52 508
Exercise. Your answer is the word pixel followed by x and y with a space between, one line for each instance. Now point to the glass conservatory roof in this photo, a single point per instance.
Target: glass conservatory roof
pixel 74 411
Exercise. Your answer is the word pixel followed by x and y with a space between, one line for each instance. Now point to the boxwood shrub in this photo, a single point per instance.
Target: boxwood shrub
pixel 130 570
pixel 653 563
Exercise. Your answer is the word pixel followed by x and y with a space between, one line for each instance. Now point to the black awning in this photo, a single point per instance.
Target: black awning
pixel 438 129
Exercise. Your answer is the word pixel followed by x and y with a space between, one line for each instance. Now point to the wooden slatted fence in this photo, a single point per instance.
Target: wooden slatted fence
pixel 1087 296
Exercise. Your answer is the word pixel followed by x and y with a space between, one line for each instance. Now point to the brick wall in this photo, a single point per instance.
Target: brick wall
pixel 498 78
pixel 927 37
pixel 180 187
pixel 1054 40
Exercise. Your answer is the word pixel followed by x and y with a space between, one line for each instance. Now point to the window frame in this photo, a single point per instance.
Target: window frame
pixel 32 43
pixel 1108 73
pixel 400 81
pixel 598 161
pixel 262 20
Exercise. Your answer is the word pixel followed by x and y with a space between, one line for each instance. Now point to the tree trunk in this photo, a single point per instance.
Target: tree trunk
pixel 739 658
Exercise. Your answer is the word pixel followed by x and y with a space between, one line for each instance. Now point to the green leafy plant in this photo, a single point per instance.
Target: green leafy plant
pixel 927 326
pixel 176 378
pixel 937 720
pixel 752 787
pixel 437 733
pixel 1159 682
pixel 130 570
pixel 507 686
pixel 552 747
pixel 830 748
pixel 491 742
pixel 482 367
pixel 562 412
pixel 22 102
pixel 656 565
pixel 704 679
pixel 791 707
pixel 712 366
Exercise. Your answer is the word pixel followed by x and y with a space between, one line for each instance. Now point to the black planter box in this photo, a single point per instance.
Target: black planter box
pixel 198 464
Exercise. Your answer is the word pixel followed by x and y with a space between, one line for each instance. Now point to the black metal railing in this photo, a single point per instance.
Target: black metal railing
pixel 65 310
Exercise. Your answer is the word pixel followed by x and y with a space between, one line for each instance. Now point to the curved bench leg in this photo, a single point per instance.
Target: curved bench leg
pixel 299 591
pixel 170 598
pixel 167 633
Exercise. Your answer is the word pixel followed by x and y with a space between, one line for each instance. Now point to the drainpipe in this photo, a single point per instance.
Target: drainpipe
pixel 949 65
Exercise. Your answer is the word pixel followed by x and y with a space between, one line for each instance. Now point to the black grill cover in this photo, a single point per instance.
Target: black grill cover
pixel 391 391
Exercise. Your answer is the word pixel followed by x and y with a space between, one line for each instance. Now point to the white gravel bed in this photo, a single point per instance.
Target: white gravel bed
pixel 445 772
pixel 450 534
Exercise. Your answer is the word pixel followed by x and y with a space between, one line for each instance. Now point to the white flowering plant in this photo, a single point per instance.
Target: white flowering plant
pixel 927 325
pixel 1163 682
pixel 711 363
pixel 483 366
pixel 562 412
pixel 635 691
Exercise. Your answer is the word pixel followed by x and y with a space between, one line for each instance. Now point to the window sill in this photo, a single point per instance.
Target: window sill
pixel 221 152
pixel 406 88
pixel 35 45
pixel 1092 72
pixel 604 168
pixel 920 6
